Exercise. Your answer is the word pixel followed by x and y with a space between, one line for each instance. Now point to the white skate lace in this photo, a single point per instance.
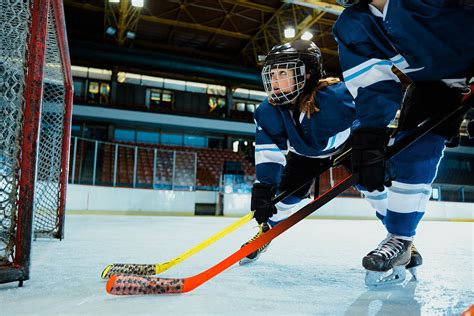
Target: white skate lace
pixel 389 247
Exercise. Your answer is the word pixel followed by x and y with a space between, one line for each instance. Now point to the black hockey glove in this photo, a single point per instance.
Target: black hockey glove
pixel 261 202
pixel 368 158
pixel 299 170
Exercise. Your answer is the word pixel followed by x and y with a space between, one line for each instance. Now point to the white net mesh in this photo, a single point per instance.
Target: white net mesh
pixel 14 19
pixel 15 35
pixel 47 187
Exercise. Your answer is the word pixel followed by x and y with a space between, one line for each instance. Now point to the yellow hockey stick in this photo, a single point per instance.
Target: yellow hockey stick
pixel 157 268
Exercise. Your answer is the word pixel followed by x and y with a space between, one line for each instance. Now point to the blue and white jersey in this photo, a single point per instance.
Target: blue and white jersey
pixel 321 135
pixel 425 39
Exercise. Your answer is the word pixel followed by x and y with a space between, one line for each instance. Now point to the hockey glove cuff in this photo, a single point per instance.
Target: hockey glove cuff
pixel 261 202
pixel 368 157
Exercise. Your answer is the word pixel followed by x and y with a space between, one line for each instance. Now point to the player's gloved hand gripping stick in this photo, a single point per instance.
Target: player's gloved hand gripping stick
pixel 133 284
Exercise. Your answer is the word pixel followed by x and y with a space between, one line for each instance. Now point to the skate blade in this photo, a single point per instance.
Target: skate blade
pixel 413 273
pixel 374 279
pixel 246 260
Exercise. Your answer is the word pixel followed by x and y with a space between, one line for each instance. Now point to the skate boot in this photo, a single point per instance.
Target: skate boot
pixel 386 264
pixel 415 261
pixel 254 255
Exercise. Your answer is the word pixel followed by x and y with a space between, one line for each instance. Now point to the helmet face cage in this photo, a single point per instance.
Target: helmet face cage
pixel 295 82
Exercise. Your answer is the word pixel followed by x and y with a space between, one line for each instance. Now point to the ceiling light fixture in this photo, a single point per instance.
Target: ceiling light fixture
pixel 289 32
pixel 306 36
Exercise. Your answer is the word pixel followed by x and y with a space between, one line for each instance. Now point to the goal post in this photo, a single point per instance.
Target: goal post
pixel 54 135
pixel 35 119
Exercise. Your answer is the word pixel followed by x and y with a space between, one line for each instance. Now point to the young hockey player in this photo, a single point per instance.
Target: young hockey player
pixel 306 118
pixel 426 40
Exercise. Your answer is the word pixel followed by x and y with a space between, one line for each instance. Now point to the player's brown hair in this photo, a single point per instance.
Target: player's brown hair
pixel 307 102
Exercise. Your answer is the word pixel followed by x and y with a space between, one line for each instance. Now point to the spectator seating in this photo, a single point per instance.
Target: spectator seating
pixel 207 166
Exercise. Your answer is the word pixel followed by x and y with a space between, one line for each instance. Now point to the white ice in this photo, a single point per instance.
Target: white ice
pixel 313 269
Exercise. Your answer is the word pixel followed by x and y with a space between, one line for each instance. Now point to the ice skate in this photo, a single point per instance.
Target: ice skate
pixel 415 261
pixel 254 255
pixel 387 263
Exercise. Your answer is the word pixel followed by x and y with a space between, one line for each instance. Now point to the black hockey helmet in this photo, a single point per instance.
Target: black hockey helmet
pixel 302 57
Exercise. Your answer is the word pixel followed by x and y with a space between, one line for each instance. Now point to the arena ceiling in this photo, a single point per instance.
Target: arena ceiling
pixel 232 32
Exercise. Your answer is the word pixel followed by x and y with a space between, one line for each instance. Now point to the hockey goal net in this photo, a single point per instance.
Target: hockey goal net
pixel 35 118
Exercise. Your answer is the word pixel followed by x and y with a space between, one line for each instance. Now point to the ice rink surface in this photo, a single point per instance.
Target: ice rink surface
pixel 312 269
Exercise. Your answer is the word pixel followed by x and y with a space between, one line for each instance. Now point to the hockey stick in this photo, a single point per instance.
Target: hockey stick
pixel 133 285
pixel 157 268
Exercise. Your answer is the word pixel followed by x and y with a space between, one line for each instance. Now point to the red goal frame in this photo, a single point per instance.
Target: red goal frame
pixel 16 266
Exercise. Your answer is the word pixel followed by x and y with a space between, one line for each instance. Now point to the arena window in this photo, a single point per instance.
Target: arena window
pixel 215 142
pixel 124 135
pixel 79 89
pixel 148 137
pixel 172 139
pixel 104 93
pixel 240 106
pixel 158 97
pixel 243 106
pixel 98 92
pixel 216 103
pixel 195 141
pixel 251 107
pixel 167 97
pixel 153 97
pixel 93 92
